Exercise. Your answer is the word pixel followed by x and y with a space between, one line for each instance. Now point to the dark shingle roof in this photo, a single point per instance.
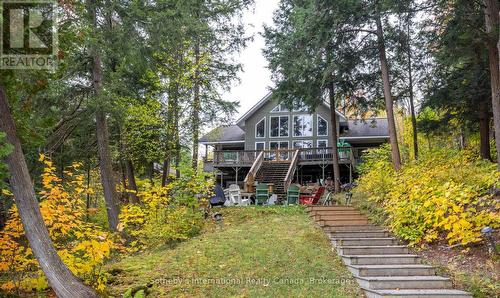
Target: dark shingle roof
pixel 367 128
pixel 223 134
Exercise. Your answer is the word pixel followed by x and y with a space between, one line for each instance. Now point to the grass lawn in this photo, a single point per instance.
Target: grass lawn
pixel 255 252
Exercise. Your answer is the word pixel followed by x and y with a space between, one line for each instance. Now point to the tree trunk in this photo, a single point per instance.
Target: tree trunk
pixel 335 152
pixel 396 158
pixel 107 176
pixel 166 170
pixel 411 95
pixel 132 185
pixel 196 109
pixel 484 130
pixel 491 23
pixel 60 278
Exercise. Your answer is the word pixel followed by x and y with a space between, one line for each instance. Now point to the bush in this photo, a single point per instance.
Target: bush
pixel 83 246
pixel 445 194
pixel 166 214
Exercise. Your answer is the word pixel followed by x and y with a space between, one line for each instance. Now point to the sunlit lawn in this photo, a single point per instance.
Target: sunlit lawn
pixel 255 252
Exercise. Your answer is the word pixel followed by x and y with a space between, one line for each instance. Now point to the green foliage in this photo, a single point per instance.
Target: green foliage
pixel 446 194
pixel 5 149
pixel 167 214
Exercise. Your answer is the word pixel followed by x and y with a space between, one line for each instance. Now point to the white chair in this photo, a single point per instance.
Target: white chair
pixel 234 194
pixel 272 200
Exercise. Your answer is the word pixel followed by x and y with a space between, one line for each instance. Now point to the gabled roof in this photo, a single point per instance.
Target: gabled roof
pixel 240 122
pixel 366 129
pixel 224 134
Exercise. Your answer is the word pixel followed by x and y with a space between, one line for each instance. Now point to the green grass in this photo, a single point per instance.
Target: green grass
pixel 255 252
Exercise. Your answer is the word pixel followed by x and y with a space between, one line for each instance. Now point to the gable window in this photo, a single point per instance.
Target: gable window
pixel 260 146
pixel 302 126
pixel 299 106
pixel 280 108
pixel 322 126
pixel 278 126
pixel 260 128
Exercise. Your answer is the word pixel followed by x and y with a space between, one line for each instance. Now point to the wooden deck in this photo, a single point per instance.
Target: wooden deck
pixel 307 156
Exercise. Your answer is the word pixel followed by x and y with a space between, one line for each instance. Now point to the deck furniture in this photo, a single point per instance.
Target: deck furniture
pixel 292 195
pixel 314 199
pixel 261 194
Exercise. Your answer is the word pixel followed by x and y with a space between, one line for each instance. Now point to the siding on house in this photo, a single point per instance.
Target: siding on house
pixel 265 112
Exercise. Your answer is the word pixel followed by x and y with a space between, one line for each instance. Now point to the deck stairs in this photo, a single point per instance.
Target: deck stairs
pixel 275 173
pixel 382 266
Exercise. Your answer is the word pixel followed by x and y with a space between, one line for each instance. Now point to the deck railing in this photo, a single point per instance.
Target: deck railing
pixel 305 156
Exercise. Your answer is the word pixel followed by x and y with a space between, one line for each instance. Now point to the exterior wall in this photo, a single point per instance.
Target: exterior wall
pixel 265 111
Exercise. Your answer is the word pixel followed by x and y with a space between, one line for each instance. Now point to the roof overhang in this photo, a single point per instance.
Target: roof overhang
pixel 222 142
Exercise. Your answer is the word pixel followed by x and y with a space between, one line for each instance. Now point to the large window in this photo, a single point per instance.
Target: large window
pixel 302 144
pixel 322 126
pixel 260 128
pixel 322 143
pixel 302 126
pixel 278 145
pixel 279 126
pixel 260 146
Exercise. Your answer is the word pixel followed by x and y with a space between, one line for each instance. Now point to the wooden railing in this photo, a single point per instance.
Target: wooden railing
pixel 291 170
pixel 305 155
pixel 250 178
pixel 241 157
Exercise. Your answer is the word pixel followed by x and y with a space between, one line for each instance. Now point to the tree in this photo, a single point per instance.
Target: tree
pixel 491 11
pixel 105 161
pixel 60 278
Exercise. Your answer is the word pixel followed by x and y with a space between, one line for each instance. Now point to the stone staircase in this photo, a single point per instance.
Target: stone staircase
pixel 381 265
pixel 274 172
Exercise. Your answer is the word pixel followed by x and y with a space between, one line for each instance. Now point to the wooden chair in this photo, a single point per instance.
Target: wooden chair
pixel 261 194
pixel 312 200
pixel 292 195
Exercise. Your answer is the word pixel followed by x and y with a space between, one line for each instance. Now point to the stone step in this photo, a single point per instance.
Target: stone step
pixel 351 228
pixel 392 270
pixel 364 241
pixel 417 293
pixel 353 222
pixel 340 217
pixel 373 250
pixel 380 259
pixel 403 282
pixel 329 208
pixel 359 234
pixel 333 213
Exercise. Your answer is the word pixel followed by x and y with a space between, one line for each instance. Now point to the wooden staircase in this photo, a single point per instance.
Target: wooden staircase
pixel 271 172
pixel 381 265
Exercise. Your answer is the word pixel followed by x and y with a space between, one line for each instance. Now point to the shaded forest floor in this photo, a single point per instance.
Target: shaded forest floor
pixel 254 252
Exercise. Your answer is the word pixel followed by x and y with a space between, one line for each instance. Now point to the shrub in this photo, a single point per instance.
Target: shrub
pixel 166 214
pixel 446 193
pixel 83 246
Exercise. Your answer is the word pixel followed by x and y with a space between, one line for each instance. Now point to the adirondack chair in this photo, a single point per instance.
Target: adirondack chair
pixel 234 194
pixel 292 195
pixel 312 200
pixel 261 194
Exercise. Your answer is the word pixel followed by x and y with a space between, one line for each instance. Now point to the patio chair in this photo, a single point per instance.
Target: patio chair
pixel 261 194
pixel 292 195
pixel 234 193
pixel 312 200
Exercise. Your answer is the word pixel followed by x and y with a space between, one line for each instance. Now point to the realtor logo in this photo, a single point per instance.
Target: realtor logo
pixel 28 34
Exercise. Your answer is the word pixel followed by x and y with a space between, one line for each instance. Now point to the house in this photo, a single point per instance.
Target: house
pixel 273 144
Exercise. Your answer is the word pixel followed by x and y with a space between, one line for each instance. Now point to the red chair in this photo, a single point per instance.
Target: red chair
pixel 312 200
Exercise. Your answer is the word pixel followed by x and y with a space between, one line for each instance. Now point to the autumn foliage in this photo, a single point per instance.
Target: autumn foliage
pixel 447 194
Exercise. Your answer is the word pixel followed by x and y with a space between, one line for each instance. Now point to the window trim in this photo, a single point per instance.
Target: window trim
pixel 322 140
pixel 262 142
pixel 312 126
pixel 306 140
pixel 317 126
pixel 263 118
pixel 279 144
pixel 279 126
pixel 281 109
